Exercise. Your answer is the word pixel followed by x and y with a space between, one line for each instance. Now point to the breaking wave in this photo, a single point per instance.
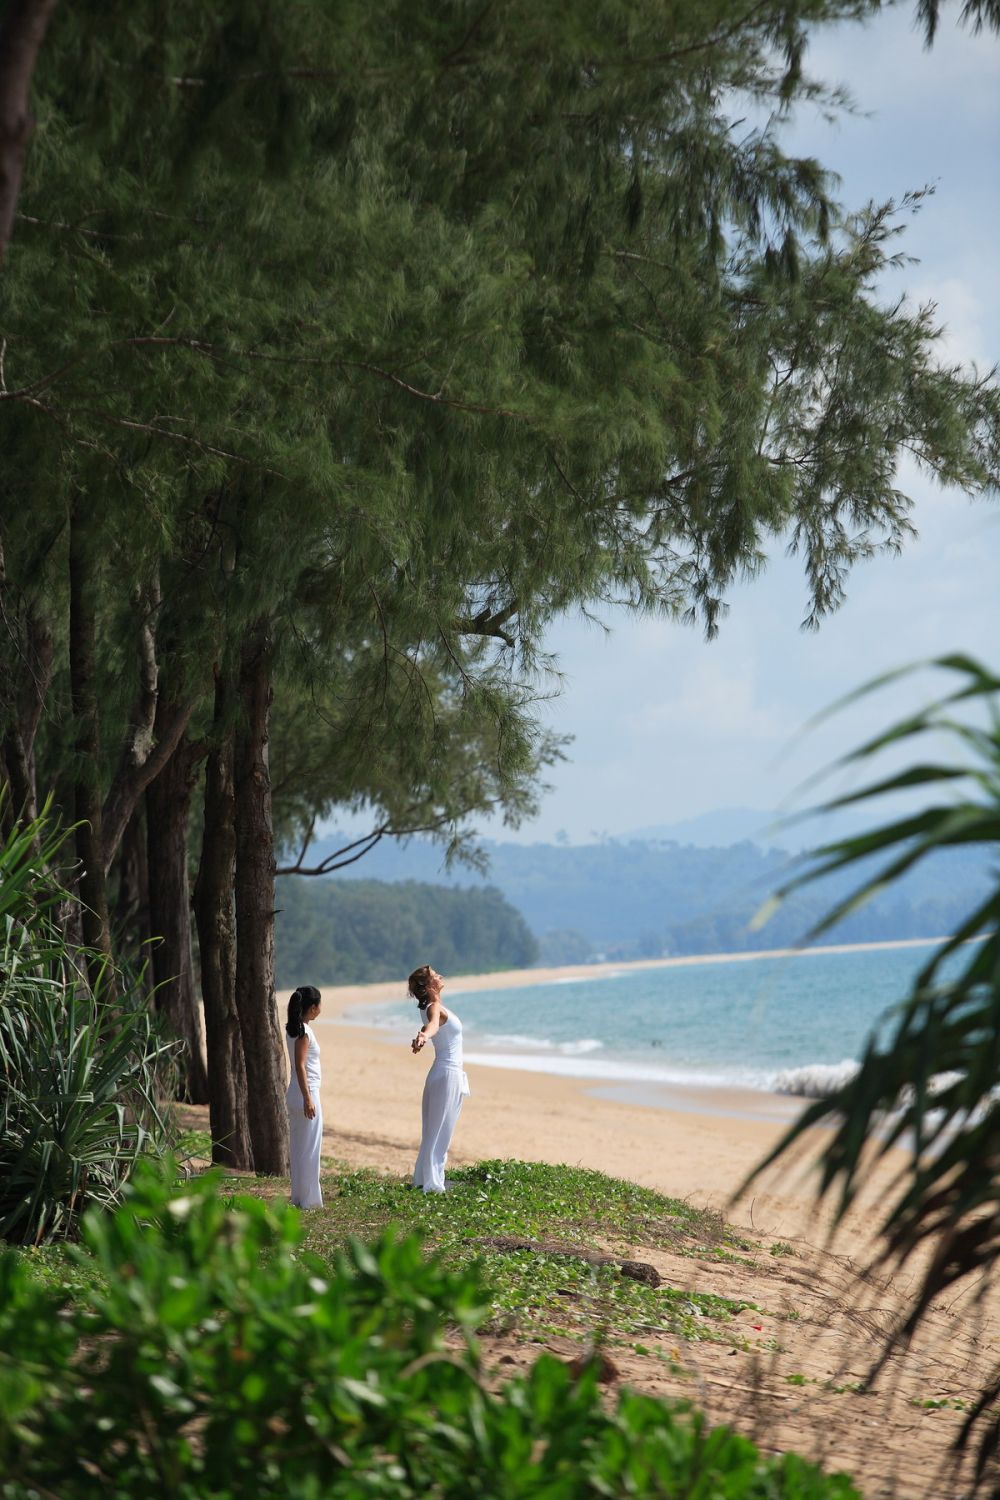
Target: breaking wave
pixel 815 1080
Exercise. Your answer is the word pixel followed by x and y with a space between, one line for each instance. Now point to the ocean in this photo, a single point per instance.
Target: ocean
pixel 793 1025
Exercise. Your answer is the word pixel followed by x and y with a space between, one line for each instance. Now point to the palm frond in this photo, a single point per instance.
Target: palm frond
pixel 929 1077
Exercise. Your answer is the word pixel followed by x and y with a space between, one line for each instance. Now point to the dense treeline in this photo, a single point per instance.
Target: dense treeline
pixel 346 932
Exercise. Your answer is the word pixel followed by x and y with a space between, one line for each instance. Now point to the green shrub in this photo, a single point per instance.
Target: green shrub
pixel 78 1074
pixel 212 1356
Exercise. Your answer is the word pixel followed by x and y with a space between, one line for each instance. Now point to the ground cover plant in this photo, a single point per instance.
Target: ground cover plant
pixel 553 1287
pixel 215 1354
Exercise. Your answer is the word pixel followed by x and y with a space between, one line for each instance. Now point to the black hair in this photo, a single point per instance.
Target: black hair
pixel 304 998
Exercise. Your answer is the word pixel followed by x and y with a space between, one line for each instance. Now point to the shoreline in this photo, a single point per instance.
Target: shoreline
pixel 341 996
pixel 345 1005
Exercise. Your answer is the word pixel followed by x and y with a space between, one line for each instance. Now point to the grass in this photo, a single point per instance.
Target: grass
pixel 534 1294
pixel 53 1267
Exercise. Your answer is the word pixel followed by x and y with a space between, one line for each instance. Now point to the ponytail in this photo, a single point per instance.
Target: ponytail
pixel 301 999
pixel 418 985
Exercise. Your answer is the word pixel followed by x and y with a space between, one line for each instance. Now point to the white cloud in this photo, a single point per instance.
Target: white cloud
pixel 961 313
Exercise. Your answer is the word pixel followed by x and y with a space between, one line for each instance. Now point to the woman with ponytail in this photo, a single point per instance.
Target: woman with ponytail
pixel 305 1110
pixel 446 1084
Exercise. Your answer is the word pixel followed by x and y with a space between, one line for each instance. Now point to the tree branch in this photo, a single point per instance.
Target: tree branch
pixel 437 399
pixel 359 847
pixel 132 779
pixel 486 624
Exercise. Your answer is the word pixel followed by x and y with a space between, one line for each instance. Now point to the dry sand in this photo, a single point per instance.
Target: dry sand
pixel 820 1317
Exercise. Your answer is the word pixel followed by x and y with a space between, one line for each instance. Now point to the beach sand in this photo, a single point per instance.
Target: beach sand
pixel 810 1344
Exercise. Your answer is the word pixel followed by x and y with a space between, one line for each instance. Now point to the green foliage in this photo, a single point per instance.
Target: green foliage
pixel 568 1208
pixel 533 1199
pixel 216 1356
pixel 79 1071
pixel 929 1076
pixel 342 932
pixel 27 852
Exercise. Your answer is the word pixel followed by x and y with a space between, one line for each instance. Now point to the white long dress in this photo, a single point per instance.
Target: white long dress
pixel 444 1089
pixel 305 1136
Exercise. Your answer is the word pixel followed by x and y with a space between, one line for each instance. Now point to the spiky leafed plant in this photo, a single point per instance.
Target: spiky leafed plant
pixel 929 1077
pixel 78 1076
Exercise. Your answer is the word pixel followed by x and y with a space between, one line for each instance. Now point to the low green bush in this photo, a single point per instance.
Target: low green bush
pixel 210 1355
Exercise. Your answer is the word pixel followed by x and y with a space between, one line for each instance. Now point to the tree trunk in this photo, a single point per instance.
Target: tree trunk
pixel 168 806
pixel 155 729
pixel 22 31
pixel 24 685
pixel 263 1046
pixel 213 905
pixel 132 902
pixel 93 889
pixel 135 774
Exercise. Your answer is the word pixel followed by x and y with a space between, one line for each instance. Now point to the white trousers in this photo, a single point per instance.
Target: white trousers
pixel 444 1090
pixel 305 1141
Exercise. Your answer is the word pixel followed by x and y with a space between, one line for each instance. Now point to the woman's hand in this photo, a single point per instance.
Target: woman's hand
pixel 419 1042
pixel 308 1107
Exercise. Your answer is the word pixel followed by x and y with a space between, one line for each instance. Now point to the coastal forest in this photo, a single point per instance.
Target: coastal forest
pixel 362 930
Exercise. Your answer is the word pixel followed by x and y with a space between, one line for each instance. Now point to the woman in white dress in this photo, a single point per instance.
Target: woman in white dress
pixel 305 1109
pixel 446 1084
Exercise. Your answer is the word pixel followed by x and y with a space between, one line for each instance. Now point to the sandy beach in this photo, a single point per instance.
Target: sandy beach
pixel 796 1382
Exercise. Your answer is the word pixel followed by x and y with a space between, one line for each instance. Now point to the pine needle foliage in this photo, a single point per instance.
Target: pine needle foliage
pixel 413 328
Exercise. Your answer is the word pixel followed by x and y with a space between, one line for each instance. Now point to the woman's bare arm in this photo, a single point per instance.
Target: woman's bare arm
pixel 301 1052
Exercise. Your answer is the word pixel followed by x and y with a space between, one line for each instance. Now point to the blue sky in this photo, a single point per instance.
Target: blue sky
pixel 667 726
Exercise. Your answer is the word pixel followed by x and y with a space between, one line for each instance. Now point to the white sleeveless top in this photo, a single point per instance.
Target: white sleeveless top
pixel 313 1072
pixel 447 1042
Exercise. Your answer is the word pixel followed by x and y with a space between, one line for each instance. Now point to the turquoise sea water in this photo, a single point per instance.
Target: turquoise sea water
pixel 786 1024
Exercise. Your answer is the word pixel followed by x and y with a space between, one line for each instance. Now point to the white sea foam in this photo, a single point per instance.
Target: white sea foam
pixel 597 978
pixel 613 1070
pixel 815 1080
pixel 503 1041
pixel 820 1080
pixel 516 1039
